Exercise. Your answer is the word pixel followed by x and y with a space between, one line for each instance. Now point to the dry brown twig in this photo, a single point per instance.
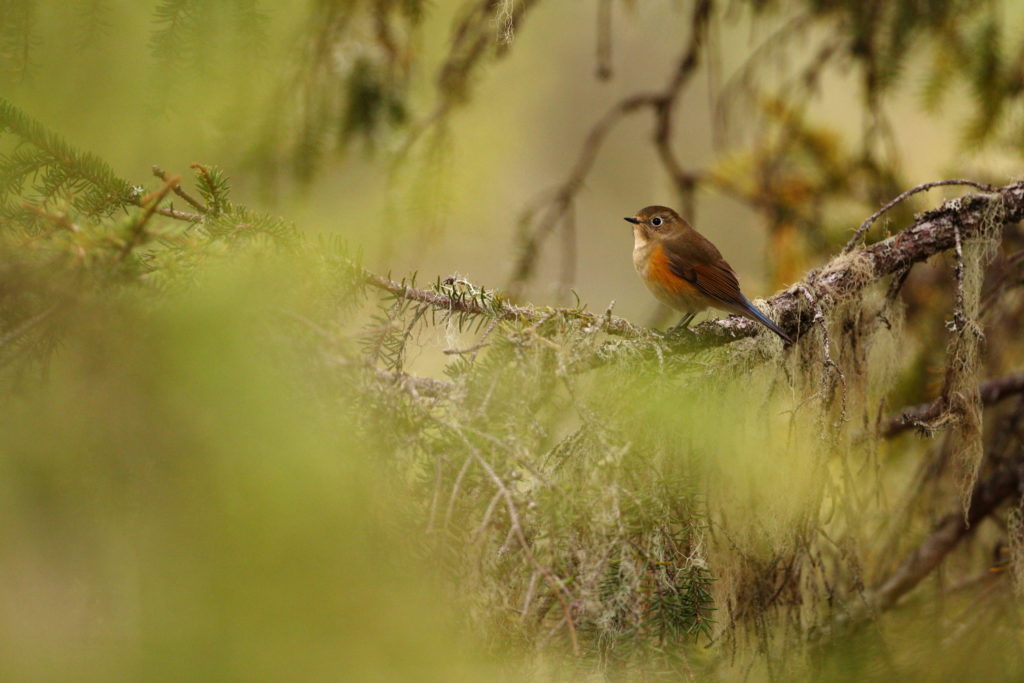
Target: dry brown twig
pixel 604 40
pixel 180 191
pixel 150 203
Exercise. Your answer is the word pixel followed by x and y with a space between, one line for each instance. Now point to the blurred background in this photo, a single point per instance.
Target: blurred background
pixel 224 457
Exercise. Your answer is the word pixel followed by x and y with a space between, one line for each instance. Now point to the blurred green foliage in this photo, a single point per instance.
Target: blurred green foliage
pixel 176 506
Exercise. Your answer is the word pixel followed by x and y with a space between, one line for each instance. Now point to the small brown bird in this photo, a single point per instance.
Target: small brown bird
pixel 684 270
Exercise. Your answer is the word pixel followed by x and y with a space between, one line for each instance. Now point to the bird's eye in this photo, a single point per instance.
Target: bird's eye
pixel 656 221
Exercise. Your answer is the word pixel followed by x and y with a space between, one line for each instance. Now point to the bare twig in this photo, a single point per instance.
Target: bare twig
pixel 553 209
pixel 180 191
pixel 1012 273
pixel 604 40
pixel 684 181
pixel 179 215
pixel 472 349
pixel 456 486
pixel 568 272
pixel 471 38
pixel 150 203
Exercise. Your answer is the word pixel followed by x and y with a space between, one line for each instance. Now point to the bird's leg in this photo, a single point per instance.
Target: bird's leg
pixel 682 324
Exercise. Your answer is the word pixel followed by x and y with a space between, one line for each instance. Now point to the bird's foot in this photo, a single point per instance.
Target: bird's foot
pixel 682 327
pixel 679 331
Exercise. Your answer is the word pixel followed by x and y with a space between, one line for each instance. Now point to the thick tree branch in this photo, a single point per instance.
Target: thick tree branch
pixel 866 225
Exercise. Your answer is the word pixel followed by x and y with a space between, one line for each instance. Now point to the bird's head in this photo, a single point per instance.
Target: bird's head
pixel 656 222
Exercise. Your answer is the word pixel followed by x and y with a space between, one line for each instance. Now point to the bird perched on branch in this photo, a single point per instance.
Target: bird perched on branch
pixel 684 270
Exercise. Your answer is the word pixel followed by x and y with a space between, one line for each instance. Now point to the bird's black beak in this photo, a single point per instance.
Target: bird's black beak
pixel 632 220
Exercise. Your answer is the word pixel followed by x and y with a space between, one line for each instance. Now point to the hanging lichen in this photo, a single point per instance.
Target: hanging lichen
pixel 973 251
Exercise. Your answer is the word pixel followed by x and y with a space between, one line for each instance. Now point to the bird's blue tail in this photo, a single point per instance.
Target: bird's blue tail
pixel 764 320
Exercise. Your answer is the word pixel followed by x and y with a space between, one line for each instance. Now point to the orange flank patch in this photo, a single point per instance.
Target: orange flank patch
pixel 660 274
pixel 669 288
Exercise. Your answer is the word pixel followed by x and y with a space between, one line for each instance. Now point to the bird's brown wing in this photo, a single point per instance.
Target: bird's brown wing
pixel 696 260
pixel 692 257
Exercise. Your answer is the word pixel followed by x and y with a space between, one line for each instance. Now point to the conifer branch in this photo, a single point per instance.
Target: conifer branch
pixel 69 166
pixel 490 305
pixel 556 585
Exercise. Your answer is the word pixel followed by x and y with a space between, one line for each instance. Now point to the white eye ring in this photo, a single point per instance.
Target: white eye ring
pixel 656 221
